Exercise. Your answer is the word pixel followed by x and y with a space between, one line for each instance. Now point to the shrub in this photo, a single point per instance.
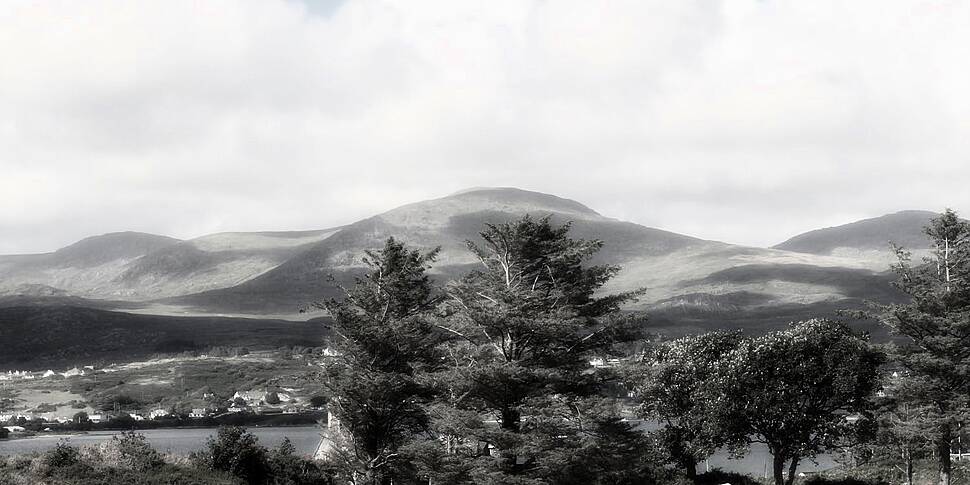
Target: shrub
pixel 236 452
pixel 130 451
pixel 821 480
pixel 4 433
pixel 61 455
pixel 718 476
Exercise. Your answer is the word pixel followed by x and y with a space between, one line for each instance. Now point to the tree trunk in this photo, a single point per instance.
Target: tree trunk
pixel 943 448
pixel 510 422
pixel 778 468
pixel 792 468
pixel 690 469
pixel 909 466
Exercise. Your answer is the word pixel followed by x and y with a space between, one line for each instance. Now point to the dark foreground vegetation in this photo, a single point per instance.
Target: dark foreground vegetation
pixel 232 457
pixel 526 372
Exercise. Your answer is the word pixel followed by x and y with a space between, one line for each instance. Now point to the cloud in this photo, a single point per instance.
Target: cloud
pixel 745 121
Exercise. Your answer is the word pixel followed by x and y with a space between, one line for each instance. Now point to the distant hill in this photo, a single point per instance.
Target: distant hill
pixel 902 228
pixel 446 222
pixel 35 337
pixel 688 282
pixel 83 268
pixel 137 266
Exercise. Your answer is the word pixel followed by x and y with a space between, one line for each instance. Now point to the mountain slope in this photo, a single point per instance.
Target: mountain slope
pixel 873 235
pixel 676 271
pixel 82 268
pixel 446 222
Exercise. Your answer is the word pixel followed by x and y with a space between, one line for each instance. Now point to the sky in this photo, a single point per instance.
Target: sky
pixel 740 121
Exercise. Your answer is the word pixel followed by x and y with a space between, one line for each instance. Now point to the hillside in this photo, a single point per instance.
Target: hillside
pixel 688 281
pixel 139 267
pixel 35 337
pixel 867 240
pixel 447 222
pixel 86 267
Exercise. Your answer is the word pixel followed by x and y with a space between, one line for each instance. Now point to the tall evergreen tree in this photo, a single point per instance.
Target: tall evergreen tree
pixel 383 337
pixel 937 322
pixel 525 326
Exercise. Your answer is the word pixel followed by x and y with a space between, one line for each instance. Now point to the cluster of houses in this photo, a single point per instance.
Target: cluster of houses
pixel 28 375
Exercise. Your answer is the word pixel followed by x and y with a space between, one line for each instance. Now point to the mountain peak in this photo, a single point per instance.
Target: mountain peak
pixel 904 228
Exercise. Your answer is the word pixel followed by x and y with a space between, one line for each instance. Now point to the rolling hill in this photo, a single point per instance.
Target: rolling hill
pixel 867 240
pixel 689 282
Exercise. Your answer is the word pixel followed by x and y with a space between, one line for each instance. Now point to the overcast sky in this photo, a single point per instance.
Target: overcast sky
pixel 741 121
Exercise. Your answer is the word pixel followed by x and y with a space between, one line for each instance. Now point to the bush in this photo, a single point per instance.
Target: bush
pixel 236 452
pixel 130 451
pixel 61 455
pixel 821 480
pixel 718 476
pixel 4 433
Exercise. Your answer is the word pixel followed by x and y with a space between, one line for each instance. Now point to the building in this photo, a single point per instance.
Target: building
pixel 158 413
pixel 199 413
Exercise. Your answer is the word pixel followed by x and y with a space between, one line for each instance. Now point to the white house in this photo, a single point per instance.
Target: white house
pixel 15 429
pixel 73 373
pixel 199 413
pixel 158 413
pixel 49 373
pixel 96 418
pixel 136 417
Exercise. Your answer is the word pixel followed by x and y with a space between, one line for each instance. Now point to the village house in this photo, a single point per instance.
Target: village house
pixel 96 418
pixel 158 413
pixel 136 417
pixel 199 413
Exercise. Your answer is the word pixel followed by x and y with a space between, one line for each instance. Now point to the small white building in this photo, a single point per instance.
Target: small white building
pixel 96 418
pixel 136 416
pixel 73 373
pixel 158 413
pixel 199 413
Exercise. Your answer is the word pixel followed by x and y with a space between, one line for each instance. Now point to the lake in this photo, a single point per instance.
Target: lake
pixel 180 441
pixel 306 439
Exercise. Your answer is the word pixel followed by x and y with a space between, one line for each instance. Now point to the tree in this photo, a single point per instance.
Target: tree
pixel 237 452
pixel 937 324
pixel 81 420
pixel 903 434
pixel 795 390
pixel 272 398
pixel 673 383
pixel 525 326
pixel 383 336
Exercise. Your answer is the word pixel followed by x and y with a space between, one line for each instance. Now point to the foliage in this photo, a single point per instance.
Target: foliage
pixel 524 328
pixel 794 390
pixel 237 453
pixel 937 324
pixel 61 455
pixel 674 384
pixel 131 451
pixel 383 336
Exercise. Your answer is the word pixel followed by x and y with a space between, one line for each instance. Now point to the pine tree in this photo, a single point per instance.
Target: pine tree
pixel 525 326
pixel 937 323
pixel 383 337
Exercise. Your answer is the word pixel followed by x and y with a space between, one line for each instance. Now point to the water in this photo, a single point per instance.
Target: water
pixel 180 441
pixel 306 439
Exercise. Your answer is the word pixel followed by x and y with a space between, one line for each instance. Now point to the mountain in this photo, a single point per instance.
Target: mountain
pixel 83 268
pixel 868 239
pixel 688 283
pixel 446 222
pixel 141 267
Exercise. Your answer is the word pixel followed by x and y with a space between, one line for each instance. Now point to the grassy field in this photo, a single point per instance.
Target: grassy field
pixel 181 383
